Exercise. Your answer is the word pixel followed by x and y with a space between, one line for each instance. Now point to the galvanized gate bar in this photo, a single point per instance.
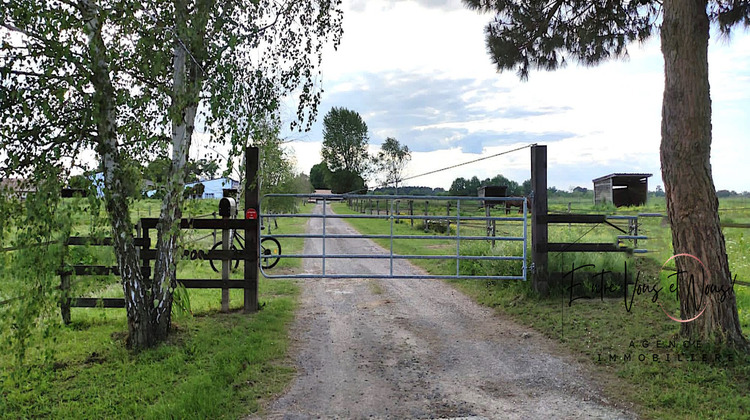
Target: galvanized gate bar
pixel 458 237
pixel 404 257
pixel 393 218
pixel 324 236
pixel 344 236
pixel 416 217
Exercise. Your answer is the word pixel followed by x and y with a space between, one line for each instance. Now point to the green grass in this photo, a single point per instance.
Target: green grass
pixel 595 329
pixel 214 365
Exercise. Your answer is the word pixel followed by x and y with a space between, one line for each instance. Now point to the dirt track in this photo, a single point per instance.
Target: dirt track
pixel 419 349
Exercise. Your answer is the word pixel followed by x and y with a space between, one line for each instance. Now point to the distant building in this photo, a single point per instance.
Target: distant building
pixel 212 188
pixel 621 189
pixel 314 199
pixel 492 191
pixel 147 186
pixel 16 186
pixel 99 183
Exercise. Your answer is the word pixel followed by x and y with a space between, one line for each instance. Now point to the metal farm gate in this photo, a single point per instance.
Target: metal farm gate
pixel 323 225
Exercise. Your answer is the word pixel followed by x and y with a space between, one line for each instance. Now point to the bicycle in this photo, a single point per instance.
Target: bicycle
pixel 270 249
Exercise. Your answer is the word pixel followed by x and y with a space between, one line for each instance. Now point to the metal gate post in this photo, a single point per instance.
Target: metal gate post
pixel 391 219
pixel 458 237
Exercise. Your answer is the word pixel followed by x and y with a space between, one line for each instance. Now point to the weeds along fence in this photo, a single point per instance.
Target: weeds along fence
pixel 424 208
pixel 146 254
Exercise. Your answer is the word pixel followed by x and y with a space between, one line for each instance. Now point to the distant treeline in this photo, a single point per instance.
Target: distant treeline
pixel 410 191
pixel 469 187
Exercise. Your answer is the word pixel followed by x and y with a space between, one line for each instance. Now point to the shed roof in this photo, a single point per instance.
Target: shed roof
pixel 622 175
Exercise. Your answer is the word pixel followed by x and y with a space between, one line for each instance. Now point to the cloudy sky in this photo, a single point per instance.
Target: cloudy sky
pixel 418 71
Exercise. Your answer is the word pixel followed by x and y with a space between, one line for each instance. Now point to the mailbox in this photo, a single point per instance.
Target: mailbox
pixel 227 207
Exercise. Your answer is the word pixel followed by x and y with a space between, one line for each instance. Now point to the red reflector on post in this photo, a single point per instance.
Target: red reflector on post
pixel 251 214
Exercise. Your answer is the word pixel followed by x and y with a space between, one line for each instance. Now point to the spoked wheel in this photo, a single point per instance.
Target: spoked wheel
pixel 270 249
pixel 216 264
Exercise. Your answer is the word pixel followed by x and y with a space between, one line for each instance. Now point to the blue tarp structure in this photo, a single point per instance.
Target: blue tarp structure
pixel 212 188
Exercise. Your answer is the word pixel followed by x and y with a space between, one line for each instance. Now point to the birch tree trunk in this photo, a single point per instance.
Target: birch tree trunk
pixel 187 80
pixel 692 204
pixel 137 297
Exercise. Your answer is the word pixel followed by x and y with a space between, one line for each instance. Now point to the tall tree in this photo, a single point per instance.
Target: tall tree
pixel 86 74
pixel 458 187
pixel 320 175
pixel 346 182
pixel 392 160
pixel 543 34
pixel 345 141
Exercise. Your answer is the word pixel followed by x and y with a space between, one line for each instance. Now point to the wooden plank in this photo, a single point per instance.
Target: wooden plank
pixel 736 225
pixel 217 254
pixel 212 284
pixel 98 302
pixel 73 192
pixel 85 240
pixel 572 218
pixel 239 224
pixel 101 270
pixel 585 247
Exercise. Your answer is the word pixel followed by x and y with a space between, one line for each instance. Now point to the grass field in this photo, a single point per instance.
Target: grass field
pixel 672 380
pixel 214 365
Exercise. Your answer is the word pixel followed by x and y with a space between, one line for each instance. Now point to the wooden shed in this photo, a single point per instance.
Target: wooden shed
pixel 621 189
pixel 492 191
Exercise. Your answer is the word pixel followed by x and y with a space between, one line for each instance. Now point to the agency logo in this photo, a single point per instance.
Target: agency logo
pixel 705 277
pixel 692 283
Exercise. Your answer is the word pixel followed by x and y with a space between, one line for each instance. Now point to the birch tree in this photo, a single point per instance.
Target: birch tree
pixel 391 161
pixel 123 79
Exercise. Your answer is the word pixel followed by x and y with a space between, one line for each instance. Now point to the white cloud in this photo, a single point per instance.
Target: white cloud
pixel 419 71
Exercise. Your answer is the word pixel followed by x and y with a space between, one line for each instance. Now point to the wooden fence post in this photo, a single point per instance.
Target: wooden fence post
pixel 490 223
pixel 225 266
pixel 448 213
pixel 252 234
pixel 64 288
pixel 411 211
pixel 65 298
pixel 538 219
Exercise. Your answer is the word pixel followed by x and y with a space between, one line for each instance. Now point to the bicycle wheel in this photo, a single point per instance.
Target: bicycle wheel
pixel 270 249
pixel 217 267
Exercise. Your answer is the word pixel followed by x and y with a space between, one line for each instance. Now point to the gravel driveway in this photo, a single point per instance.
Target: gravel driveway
pixel 368 348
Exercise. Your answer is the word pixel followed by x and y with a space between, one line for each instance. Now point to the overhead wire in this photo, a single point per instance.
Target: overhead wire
pixel 469 162
pixel 452 166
